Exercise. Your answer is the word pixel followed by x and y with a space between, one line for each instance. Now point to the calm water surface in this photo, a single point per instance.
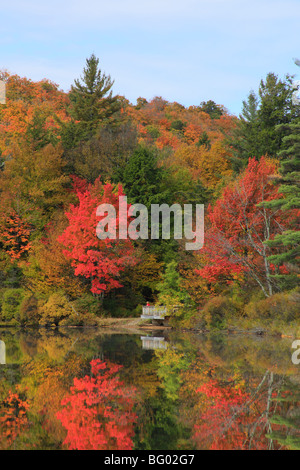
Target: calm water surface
pixel 154 390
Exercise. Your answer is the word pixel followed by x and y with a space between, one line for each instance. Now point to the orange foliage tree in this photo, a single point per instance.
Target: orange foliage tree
pixel 176 125
pixel 33 110
pixel 225 423
pixel 14 236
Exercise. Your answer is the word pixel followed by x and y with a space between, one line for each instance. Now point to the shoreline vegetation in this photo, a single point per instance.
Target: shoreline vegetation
pixel 137 325
pixel 64 154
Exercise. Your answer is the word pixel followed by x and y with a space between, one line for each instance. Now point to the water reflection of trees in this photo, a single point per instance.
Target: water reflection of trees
pixel 236 418
pixel 287 421
pixel 201 392
pixel 98 412
pixel 237 404
pixel 13 418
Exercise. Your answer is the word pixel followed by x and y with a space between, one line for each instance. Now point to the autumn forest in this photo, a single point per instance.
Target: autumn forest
pixel 65 383
pixel 63 154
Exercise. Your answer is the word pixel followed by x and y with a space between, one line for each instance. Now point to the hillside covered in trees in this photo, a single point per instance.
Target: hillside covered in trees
pixel 62 154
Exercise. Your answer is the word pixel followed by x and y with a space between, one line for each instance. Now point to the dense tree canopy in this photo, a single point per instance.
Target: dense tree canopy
pixel 63 154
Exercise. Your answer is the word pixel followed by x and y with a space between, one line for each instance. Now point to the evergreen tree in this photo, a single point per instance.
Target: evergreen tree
pixel 276 108
pixel 210 107
pixel 146 183
pixel 142 179
pixel 244 141
pixel 257 133
pixel 289 241
pixel 91 96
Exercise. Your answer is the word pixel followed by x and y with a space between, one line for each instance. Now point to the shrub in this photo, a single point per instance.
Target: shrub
pixel 178 125
pixel 11 301
pixel 79 319
pixel 87 304
pixel 172 293
pixel 59 311
pixel 29 311
pixel 56 309
pixel 282 306
pixel 216 310
pixel 153 131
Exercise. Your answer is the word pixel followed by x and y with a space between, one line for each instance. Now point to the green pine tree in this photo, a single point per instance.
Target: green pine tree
pixel 210 107
pixel 244 143
pixel 288 243
pixel 91 96
pixel 275 109
pixel 257 132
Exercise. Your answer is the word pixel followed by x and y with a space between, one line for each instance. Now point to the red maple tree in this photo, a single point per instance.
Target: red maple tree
pixel 100 260
pixel 239 226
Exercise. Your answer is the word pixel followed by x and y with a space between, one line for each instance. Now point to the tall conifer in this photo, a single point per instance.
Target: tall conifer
pixel 92 99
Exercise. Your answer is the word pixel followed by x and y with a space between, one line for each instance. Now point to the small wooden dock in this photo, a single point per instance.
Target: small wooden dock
pixel 151 312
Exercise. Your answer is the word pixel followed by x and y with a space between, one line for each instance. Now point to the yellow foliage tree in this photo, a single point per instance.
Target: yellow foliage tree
pixel 48 269
pixel 214 164
pixel 210 164
pixel 34 183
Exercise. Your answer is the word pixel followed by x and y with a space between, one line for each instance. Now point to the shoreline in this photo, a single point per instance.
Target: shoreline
pixel 138 324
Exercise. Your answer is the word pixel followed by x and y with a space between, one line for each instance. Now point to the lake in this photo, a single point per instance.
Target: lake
pixel 147 390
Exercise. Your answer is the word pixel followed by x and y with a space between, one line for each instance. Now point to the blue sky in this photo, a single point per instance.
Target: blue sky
pixel 188 52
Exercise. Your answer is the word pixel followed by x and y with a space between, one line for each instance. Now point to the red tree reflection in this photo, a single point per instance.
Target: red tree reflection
pixel 13 419
pixel 98 413
pixel 234 419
